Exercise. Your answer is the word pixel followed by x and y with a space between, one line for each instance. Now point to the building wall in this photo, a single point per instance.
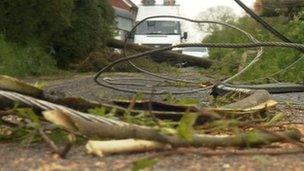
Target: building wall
pixel 125 17
pixel 124 23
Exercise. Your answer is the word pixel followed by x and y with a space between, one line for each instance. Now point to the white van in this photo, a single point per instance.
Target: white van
pixel 159 32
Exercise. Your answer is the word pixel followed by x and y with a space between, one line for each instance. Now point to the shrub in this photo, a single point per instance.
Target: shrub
pixel 24 60
pixel 92 23
pixel 69 29
pixel 42 20
pixel 273 60
pixel 99 59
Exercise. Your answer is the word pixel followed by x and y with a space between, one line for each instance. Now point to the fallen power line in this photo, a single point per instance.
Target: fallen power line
pixel 108 82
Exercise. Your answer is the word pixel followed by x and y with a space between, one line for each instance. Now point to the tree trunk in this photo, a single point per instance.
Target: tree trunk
pixel 164 56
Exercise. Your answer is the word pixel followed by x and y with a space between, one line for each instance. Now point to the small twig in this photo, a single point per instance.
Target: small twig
pixel 62 153
pixel 295 142
pixel 48 141
pixel 68 146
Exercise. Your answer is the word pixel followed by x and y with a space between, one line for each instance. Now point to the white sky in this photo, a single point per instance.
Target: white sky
pixel 191 8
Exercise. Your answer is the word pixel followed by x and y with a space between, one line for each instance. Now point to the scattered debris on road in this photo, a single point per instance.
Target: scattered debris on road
pixel 234 120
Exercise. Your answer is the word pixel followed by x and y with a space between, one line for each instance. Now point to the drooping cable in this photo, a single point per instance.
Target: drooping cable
pixel 210 45
pixel 251 38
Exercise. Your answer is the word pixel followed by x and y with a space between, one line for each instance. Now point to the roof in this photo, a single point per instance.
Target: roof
pixel 124 4
pixel 148 11
pixel 131 4
pixel 123 13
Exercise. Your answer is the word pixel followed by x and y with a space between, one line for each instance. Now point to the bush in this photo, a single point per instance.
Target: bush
pixel 99 59
pixel 271 8
pixel 273 60
pixel 42 20
pixel 69 29
pixel 92 23
pixel 24 60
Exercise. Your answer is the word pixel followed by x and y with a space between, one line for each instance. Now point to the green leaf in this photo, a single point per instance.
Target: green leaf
pixel 30 114
pixel 98 111
pixel 185 127
pixel 277 118
pixel 188 101
pixel 40 85
pixel 144 164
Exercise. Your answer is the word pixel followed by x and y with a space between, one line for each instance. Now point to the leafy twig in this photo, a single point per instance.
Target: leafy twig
pixel 62 153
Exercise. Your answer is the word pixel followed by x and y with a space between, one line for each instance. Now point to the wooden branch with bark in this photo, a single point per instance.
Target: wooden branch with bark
pixel 97 127
pixel 164 56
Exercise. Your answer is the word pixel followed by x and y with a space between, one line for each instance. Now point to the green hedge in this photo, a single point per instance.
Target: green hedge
pixel 25 60
pixel 273 60
pixel 68 29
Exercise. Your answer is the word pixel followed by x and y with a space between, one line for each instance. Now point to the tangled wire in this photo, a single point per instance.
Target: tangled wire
pixel 164 80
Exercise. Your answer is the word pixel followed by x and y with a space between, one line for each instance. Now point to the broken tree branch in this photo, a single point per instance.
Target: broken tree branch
pixel 12 84
pixel 100 127
pixel 165 56
pixel 101 148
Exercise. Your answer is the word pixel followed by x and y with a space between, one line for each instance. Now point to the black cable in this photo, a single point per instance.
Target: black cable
pixel 181 18
pixel 211 45
pixel 255 44
pixel 169 79
pixel 263 22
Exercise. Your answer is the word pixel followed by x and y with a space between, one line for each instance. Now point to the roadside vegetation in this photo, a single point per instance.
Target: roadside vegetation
pixel 272 61
pixel 43 37
pixel 24 59
pixel 39 36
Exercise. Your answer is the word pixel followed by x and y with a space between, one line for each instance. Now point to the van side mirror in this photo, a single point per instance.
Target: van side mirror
pixel 185 35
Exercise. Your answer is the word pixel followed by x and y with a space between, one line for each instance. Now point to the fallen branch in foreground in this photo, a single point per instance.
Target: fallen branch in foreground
pixel 259 100
pixel 12 84
pixel 165 56
pixel 99 127
pixel 101 148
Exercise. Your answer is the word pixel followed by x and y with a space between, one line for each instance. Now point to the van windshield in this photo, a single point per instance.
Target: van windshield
pixel 159 28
